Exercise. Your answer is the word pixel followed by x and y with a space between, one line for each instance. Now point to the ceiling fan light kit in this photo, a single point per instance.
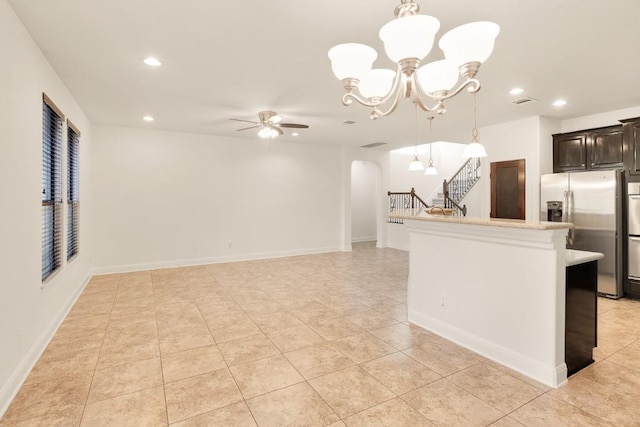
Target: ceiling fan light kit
pixel 408 39
pixel 270 124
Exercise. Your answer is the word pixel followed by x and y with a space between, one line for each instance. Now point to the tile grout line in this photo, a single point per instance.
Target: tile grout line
pixel 164 390
pixel 120 278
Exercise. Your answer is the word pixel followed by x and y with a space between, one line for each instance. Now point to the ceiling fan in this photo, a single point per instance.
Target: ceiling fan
pixel 270 124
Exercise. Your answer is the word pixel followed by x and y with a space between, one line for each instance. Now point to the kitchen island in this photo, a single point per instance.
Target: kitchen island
pixel 496 287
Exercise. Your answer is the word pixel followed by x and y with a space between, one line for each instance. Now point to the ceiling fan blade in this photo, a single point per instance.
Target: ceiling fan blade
pixel 248 121
pixel 250 127
pixel 292 125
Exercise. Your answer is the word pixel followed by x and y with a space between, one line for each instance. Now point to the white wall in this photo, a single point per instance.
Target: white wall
pixel 168 198
pixel 518 139
pixel 608 118
pixel 29 312
pixel 364 196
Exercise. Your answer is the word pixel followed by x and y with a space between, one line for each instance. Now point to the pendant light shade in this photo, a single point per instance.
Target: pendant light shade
pixel 474 149
pixel 351 60
pixel 409 37
pixel 471 42
pixel 431 170
pixel 416 164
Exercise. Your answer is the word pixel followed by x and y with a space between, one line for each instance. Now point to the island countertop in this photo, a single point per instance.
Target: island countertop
pixel 575 257
pixel 492 222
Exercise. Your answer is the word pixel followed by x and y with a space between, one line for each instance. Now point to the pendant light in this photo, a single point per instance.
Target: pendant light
pixel 474 149
pixel 430 170
pixel 416 164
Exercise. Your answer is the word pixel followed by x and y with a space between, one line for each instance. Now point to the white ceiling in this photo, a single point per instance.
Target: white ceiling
pixel 232 59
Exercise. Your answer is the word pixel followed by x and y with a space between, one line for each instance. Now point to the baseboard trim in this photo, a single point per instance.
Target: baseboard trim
pixel 547 375
pixel 213 260
pixel 363 239
pixel 11 388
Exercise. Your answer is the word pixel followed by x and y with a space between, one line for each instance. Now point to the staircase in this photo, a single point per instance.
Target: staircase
pixel 404 204
pixel 454 190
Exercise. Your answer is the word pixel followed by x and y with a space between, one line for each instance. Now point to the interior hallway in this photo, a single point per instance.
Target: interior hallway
pixel 309 340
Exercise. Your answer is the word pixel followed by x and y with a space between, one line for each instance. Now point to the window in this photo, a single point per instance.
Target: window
pixel 51 187
pixel 73 187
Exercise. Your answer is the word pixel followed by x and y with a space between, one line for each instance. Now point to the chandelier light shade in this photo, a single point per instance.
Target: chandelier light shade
pixel 469 43
pixel 438 76
pixel 408 39
pixel 351 60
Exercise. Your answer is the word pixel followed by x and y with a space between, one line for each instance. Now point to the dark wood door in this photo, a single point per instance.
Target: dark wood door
pixel 507 189
pixel 569 152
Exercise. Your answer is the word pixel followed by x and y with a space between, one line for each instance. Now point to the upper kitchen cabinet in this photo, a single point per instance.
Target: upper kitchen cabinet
pixel 606 148
pixel 631 132
pixel 589 150
pixel 569 152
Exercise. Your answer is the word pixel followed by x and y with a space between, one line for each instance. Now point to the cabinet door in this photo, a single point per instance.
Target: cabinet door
pixel 632 146
pixel 570 152
pixel 606 148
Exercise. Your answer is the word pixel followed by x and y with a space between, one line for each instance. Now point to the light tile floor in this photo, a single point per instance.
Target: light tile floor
pixel 310 340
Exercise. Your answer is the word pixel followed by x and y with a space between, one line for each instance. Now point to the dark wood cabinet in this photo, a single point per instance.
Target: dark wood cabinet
pixel 631 137
pixel 570 152
pixel 581 315
pixel 589 150
pixel 606 149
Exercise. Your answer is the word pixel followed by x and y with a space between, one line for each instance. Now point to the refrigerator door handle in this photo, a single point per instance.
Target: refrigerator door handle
pixel 568 196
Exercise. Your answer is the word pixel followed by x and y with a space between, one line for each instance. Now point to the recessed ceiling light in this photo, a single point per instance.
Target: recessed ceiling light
pixel 295 134
pixel 153 62
pixel 516 91
pixel 559 103
pixel 147 118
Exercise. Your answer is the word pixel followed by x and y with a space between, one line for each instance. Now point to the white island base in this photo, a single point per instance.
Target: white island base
pixel 494 287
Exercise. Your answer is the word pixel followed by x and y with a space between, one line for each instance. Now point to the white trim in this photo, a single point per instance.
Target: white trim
pixel 552 376
pixel 213 260
pixel 11 388
pixel 363 239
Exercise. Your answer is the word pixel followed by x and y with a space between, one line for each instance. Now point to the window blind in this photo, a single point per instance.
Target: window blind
pixel 51 189
pixel 73 187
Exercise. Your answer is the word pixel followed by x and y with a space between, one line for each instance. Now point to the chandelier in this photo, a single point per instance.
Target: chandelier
pixel 408 39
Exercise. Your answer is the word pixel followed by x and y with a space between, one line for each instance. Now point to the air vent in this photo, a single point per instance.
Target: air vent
pixel 348 122
pixel 525 100
pixel 372 145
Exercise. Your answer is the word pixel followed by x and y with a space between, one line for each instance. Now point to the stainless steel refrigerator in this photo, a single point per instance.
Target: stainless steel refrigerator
pixel 592 201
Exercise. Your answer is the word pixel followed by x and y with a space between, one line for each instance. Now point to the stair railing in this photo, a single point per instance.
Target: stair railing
pixel 404 204
pixel 460 184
